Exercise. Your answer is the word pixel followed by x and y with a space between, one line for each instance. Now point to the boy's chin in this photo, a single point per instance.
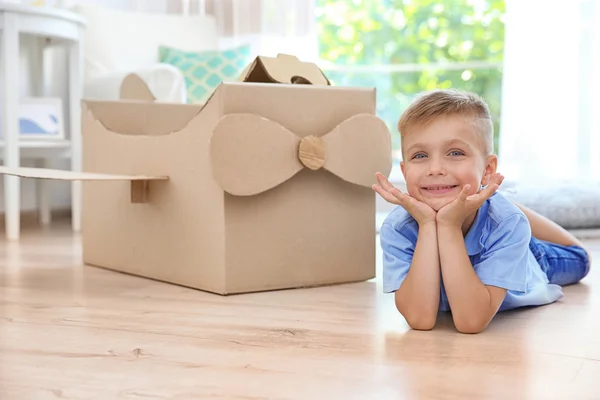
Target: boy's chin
pixel 438 204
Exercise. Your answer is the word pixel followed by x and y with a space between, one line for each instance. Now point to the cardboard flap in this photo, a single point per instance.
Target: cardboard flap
pixel 133 87
pixel 139 183
pixel 251 154
pixel 284 68
pixel 142 117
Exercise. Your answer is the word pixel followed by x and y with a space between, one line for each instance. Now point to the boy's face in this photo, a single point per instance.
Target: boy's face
pixel 442 157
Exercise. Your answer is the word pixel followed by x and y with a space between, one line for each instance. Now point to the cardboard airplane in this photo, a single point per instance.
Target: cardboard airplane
pixel 266 186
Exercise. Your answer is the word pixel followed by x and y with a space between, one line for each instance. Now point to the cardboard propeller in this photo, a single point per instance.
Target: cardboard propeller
pixel 139 183
pixel 251 154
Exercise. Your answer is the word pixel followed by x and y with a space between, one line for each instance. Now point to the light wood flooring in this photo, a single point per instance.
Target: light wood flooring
pixel 69 331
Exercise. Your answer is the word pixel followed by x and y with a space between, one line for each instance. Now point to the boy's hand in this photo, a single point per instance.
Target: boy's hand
pixel 420 211
pixel 455 213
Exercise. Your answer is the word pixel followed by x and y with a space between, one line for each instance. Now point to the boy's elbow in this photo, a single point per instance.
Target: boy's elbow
pixel 422 325
pixel 418 319
pixel 419 316
pixel 421 322
pixel 470 325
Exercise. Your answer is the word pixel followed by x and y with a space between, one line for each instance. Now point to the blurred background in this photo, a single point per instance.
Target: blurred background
pixel 534 61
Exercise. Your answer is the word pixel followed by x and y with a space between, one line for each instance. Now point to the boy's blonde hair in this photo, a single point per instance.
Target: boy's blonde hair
pixel 444 102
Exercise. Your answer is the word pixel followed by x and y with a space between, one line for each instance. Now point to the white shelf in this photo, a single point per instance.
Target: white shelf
pixel 46 25
pixel 41 148
pixel 46 144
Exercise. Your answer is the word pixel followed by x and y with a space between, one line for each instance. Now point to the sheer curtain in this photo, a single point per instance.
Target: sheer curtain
pixel 272 26
pixel 550 128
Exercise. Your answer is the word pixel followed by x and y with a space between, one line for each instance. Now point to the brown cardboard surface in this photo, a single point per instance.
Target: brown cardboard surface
pixel 284 68
pixel 311 152
pixel 177 235
pixel 134 88
pixel 251 153
pixel 315 228
pixel 240 211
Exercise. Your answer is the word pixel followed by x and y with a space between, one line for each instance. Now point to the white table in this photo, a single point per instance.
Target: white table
pixel 57 27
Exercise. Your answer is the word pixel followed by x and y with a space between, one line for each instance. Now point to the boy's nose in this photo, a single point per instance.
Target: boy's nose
pixel 436 168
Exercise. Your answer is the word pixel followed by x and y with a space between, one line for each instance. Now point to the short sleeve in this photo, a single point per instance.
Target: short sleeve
pixel 397 256
pixel 504 260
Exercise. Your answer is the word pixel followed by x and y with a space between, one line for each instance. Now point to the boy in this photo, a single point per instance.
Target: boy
pixel 455 244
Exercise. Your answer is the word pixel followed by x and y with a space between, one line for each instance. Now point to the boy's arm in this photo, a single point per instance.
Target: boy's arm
pixel 418 296
pixel 473 304
pixel 411 269
pixel 475 292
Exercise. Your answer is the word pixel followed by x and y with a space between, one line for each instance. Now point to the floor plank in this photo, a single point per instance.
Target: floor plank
pixel 69 331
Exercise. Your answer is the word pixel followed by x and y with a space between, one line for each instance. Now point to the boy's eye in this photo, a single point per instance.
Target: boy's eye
pixel 419 155
pixel 457 153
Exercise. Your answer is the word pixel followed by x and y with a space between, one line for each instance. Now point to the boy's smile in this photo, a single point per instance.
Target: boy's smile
pixel 440 158
pixel 439 189
pixel 437 196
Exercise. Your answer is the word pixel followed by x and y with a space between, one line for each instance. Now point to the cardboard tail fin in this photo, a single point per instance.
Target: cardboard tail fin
pixel 133 87
pixel 139 183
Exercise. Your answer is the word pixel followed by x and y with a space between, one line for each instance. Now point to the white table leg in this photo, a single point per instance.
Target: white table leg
pixel 75 96
pixel 10 123
pixel 42 186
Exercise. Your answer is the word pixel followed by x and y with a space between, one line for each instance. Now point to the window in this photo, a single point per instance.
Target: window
pixel 403 47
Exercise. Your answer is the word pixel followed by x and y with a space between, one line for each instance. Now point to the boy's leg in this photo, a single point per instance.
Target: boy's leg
pixel 563 265
pixel 544 229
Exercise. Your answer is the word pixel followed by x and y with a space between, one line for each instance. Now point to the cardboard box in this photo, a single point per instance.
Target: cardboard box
pixel 267 186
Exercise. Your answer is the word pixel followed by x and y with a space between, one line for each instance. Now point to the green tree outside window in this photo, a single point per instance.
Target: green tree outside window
pixel 364 34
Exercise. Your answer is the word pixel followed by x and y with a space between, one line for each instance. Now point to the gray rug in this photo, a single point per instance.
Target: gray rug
pixel 574 206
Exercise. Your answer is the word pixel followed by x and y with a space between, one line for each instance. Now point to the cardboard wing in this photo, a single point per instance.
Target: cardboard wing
pixel 133 88
pixel 139 183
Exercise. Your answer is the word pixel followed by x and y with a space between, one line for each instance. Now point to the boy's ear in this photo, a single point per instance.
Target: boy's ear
pixel 490 168
pixel 402 168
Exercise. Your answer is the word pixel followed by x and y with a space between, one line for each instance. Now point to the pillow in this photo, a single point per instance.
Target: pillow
pixel 204 71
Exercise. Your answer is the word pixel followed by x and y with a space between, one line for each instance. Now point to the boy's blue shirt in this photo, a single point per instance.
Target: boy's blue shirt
pixel 497 245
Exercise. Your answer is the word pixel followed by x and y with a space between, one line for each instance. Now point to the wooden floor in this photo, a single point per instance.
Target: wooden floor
pixel 69 331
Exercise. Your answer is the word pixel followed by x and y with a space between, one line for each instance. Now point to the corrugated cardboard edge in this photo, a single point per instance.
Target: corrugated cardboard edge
pixel 284 68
